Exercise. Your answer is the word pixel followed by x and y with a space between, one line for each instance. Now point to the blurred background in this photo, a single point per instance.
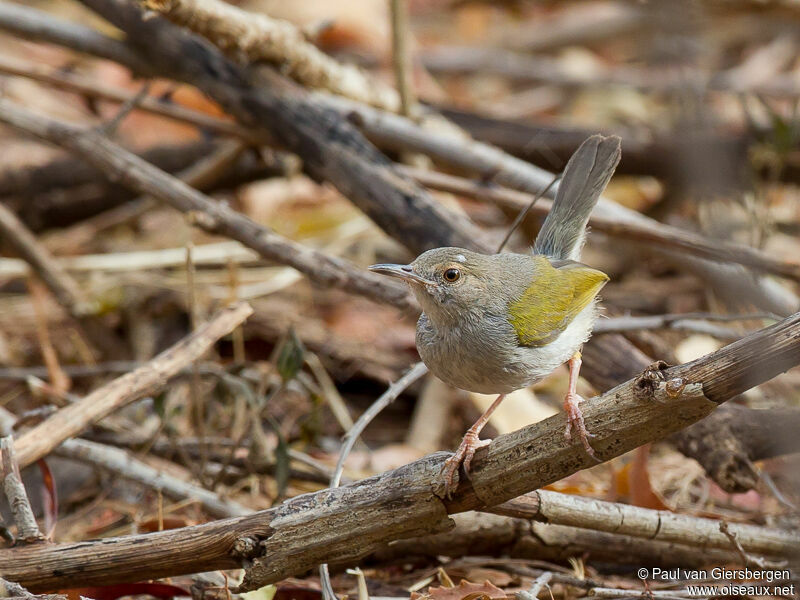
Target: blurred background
pixel 706 98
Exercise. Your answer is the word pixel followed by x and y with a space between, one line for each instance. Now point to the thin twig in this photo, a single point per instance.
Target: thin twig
pixel 747 559
pixel 524 213
pixel 38 25
pixel 122 463
pixel 27 528
pixel 90 88
pixel 623 225
pixel 349 440
pixel 64 288
pixel 60 381
pixel 71 420
pixel 110 127
pixel 533 593
pixel 401 59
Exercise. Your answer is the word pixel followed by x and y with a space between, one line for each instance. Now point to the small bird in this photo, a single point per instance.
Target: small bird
pixel 496 323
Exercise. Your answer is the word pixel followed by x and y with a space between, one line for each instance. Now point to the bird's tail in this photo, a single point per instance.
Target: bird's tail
pixel 585 177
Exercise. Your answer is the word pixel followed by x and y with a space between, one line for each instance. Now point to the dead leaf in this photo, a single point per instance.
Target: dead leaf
pixel 466 590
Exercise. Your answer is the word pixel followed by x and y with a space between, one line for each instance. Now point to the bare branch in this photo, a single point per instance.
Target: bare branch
pixel 256 37
pixel 71 420
pixel 120 462
pixel 65 289
pixel 37 25
pixel 660 525
pixel 27 528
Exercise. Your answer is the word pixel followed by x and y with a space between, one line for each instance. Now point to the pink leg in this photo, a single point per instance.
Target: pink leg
pixel 571 406
pixel 466 450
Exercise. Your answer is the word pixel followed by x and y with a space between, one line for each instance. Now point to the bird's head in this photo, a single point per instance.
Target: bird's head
pixel 449 282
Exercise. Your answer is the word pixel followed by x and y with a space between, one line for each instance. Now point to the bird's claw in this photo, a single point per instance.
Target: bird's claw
pixel 575 419
pixel 448 477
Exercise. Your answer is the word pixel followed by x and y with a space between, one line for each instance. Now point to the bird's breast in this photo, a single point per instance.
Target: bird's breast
pixel 481 353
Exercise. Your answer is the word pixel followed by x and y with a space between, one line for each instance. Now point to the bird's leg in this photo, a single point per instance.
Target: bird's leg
pixel 466 450
pixel 571 406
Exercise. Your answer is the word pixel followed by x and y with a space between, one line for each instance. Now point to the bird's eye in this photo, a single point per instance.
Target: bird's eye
pixel 452 275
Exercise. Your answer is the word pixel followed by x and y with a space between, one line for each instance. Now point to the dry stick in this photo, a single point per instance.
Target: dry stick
pixel 729 441
pixel 68 171
pixel 66 290
pixel 485 534
pixel 346 523
pixel 60 380
pixel 207 214
pixel 27 529
pixel 464 59
pixel 202 174
pixel 401 58
pixel 640 230
pixel 124 464
pixel 95 89
pixel 71 420
pixel 650 322
pixel 524 213
pixel 37 25
pixel 350 438
pixel 660 525
pixel 541 581
pixel 257 37
pixel 216 254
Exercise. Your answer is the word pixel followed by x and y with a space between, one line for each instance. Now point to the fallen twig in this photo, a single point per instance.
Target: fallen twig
pixel 27 528
pixel 34 24
pixel 71 420
pixel 660 525
pixel 122 463
pixel 350 438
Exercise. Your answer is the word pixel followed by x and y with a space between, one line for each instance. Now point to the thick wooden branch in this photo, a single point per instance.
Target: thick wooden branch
pixel 729 441
pixel 345 523
pixel 71 420
pixel 659 525
pixel 482 534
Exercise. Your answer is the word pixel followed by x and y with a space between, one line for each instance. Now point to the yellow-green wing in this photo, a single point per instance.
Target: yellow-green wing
pixel 556 295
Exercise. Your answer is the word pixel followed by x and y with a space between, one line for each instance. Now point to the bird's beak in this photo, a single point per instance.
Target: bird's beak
pixel 405 272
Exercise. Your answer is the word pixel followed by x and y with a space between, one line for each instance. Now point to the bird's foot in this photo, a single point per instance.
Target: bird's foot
pixel 575 419
pixel 447 480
